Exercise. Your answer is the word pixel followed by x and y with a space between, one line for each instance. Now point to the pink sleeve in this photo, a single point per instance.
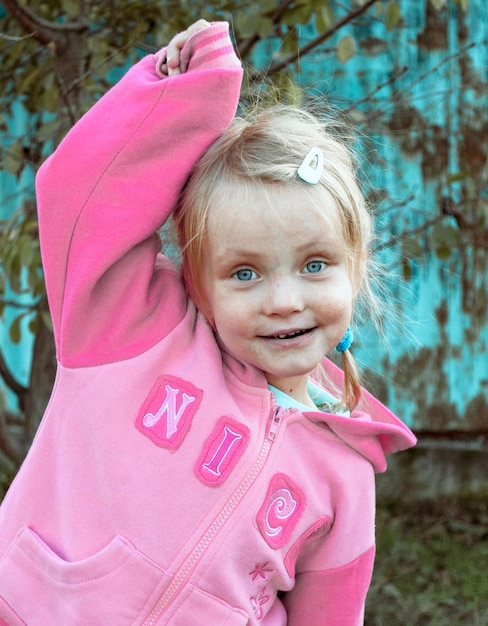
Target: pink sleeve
pixel 332 562
pixel 334 597
pixel 108 188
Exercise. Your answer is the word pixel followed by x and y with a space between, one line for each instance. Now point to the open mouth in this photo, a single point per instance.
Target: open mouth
pixel 292 335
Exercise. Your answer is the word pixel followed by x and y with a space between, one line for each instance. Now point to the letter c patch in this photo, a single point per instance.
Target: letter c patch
pixel 280 511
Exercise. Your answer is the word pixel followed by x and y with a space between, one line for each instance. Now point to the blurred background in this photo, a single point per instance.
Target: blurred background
pixel 411 77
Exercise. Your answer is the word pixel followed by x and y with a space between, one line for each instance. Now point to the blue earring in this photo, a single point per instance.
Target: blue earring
pixel 346 342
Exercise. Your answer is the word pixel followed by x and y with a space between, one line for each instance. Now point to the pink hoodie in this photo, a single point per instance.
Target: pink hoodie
pixel 164 485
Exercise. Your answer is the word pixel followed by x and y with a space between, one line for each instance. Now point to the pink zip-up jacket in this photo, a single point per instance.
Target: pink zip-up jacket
pixel 164 485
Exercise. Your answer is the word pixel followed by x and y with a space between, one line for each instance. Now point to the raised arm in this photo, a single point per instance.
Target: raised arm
pixel 111 184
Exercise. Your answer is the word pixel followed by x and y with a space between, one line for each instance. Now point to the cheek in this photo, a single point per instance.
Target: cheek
pixel 229 320
pixel 234 315
pixel 209 298
pixel 226 314
pixel 337 301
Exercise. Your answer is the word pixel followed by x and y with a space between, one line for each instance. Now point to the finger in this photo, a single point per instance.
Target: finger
pixel 176 45
pixel 173 58
pixel 173 71
pixel 198 25
pixel 161 66
pixel 174 50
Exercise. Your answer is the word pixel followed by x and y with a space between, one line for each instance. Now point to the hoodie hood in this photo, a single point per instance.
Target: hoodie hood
pixel 372 429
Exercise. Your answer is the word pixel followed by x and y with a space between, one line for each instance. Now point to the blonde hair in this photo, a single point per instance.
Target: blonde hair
pixel 266 148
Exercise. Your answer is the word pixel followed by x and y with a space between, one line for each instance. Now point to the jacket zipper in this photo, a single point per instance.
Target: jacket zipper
pixel 189 564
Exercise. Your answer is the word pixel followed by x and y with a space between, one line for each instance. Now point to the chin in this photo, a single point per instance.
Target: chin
pixel 292 373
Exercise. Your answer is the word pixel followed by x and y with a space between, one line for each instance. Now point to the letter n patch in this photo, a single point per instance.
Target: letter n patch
pixel 280 511
pixel 221 451
pixel 166 414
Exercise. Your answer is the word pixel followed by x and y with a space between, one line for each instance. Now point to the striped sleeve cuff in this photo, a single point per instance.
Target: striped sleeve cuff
pixel 212 48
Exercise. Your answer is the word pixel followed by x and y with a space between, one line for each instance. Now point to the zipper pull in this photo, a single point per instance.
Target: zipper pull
pixel 275 424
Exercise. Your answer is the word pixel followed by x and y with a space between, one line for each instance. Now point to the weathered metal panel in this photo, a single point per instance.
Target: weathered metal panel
pixel 425 151
pixel 438 140
pixel 13 191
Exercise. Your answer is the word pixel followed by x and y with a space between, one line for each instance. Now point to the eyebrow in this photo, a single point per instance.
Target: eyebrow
pixel 231 256
pixel 246 252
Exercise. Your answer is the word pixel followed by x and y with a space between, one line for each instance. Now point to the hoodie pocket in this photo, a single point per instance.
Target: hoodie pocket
pixel 110 587
pixel 195 606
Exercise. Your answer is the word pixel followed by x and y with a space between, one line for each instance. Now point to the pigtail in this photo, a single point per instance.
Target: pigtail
pixel 351 392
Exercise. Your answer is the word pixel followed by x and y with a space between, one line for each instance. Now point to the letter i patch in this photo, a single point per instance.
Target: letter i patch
pixel 165 417
pixel 221 451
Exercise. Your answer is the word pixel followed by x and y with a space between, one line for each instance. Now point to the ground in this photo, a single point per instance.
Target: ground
pixel 431 565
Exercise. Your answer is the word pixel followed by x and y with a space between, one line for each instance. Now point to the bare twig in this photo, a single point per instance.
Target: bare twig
pixel 410 233
pixel 394 77
pixel 322 37
pixel 397 96
pixel 245 46
pixel 43 30
pixel 15 39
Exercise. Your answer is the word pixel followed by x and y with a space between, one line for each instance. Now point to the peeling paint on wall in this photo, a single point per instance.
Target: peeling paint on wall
pixel 427 158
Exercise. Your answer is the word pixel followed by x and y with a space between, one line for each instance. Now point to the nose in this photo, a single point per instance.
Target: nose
pixel 283 298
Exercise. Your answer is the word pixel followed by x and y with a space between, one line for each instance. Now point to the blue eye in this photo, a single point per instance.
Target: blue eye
pixel 314 266
pixel 245 274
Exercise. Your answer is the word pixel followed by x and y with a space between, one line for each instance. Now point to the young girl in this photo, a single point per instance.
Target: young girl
pixel 191 468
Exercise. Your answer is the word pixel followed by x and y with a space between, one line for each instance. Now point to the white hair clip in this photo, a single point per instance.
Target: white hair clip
pixel 312 165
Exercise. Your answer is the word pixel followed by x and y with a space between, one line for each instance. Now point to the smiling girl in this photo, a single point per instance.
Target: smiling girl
pixel 193 466
pixel 274 262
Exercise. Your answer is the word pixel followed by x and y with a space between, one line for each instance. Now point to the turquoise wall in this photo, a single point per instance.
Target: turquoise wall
pixel 425 139
pixel 13 192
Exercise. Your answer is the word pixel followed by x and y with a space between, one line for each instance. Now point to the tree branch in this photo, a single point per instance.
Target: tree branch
pixel 9 447
pixel 19 390
pixel 322 37
pixel 369 96
pixel 245 46
pixel 410 233
pixel 43 30
pixel 397 96
pixel 64 41
pixel 15 39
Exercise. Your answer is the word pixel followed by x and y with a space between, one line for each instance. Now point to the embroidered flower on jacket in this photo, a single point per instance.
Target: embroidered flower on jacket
pixel 257 602
pixel 261 571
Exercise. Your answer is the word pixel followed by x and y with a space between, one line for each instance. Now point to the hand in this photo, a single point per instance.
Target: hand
pixel 169 60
